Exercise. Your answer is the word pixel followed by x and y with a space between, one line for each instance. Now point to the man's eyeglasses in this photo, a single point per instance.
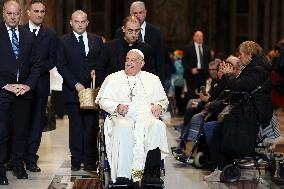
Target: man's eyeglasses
pixel 130 31
pixel 13 14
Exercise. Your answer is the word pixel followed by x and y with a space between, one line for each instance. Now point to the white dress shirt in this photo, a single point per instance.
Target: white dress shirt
pixel 32 27
pixel 199 66
pixel 143 27
pixel 10 32
pixel 85 40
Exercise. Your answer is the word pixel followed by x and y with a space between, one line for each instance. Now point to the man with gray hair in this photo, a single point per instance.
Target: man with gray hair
pixel 135 100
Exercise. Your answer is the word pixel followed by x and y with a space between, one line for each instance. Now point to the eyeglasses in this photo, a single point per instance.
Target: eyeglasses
pixel 130 31
pixel 13 14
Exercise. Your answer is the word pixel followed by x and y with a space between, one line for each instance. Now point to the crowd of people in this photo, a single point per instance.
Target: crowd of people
pixel 131 72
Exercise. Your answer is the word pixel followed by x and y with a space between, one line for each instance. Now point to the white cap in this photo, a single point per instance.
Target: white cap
pixel 138 51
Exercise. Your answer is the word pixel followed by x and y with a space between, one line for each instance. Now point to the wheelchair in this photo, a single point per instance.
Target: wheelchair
pixel 264 154
pixel 105 171
pixel 199 155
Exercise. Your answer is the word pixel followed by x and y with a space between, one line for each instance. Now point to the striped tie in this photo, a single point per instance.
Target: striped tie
pixel 15 43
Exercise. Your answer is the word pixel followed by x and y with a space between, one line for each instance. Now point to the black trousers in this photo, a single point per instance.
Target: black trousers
pixel 194 82
pixel 38 110
pixel 83 131
pixel 57 101
pixel 219 158
pixel 14 121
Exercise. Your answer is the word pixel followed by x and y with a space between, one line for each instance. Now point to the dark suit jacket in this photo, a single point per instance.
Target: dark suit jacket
pixel 74 66
pixel 113 57
pixel 153 38
pixel 46 44
pixel 189 60
pixel 27 62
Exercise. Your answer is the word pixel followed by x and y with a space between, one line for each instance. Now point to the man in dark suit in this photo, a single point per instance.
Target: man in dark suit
pixel 19 72
pixel 113 56
pixel 46 41
pixel 196 57
pixel 78 53
pixel 149 34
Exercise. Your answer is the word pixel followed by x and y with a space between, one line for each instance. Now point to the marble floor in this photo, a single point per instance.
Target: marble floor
pixel 56 174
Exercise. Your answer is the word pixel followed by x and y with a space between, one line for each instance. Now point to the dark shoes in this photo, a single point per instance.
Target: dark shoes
pixel 152 176
pixel 20 172
pixel 3 180
pixel 122 181
pixel 33 167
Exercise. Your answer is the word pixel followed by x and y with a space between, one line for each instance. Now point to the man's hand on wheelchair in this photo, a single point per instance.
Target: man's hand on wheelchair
pixel 122 109
pixel 156 110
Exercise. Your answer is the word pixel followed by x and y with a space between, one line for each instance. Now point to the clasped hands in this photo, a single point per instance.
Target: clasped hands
pixel 18 89
pixel 155 109
pixel 226 68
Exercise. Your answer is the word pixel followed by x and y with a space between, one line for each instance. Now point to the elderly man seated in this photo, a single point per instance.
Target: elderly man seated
pixel 136 140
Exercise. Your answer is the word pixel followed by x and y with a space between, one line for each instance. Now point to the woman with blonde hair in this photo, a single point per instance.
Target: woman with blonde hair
pixel 252 108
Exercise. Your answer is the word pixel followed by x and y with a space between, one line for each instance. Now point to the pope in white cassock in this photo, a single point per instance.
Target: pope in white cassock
pixel 135 100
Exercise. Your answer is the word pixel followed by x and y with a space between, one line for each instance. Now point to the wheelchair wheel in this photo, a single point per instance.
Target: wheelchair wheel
pixel 230 173
pixel 200 160
pixel 270 168
pixel 280 172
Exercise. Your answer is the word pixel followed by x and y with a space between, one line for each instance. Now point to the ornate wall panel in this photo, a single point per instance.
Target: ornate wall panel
pixel 172 18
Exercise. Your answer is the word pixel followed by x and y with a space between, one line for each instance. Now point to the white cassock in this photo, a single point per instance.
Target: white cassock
pixel 129 138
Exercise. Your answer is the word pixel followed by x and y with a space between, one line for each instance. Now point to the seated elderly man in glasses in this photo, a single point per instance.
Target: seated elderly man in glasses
pixel 135 100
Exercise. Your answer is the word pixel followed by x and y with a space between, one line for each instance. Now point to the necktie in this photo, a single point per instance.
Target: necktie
pixel 82 45
pixel 200 55
pixel 140 36
pixel 34 32
pixel 15 43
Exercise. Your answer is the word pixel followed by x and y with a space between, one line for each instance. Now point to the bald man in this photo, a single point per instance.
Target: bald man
pixel 19 72
pixel 196 57
pixel 77 56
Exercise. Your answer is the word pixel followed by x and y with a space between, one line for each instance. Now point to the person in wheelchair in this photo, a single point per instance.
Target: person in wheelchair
pixel 251 108
pixel 197 105
pixel 135 138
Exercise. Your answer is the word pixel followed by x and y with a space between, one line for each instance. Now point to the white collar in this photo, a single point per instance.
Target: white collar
pixel 77 35
pixel 197 44
pixel 9 28
pixel 32 26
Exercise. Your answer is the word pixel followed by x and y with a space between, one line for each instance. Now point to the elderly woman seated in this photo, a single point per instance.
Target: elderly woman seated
pixel 136 140
pixel 251 108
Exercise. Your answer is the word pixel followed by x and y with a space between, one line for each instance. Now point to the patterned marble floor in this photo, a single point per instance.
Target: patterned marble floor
pixel 56 174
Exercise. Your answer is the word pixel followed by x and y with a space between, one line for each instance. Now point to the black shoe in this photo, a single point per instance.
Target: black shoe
pixel 3 180
pixel 121 181
pixel 75 168
pixel 182 157
pixel 90 168
pixel 20 172
pixel 32 167
pixel 152 176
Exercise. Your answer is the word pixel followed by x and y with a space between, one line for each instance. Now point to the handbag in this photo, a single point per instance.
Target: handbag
pixel 88 96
